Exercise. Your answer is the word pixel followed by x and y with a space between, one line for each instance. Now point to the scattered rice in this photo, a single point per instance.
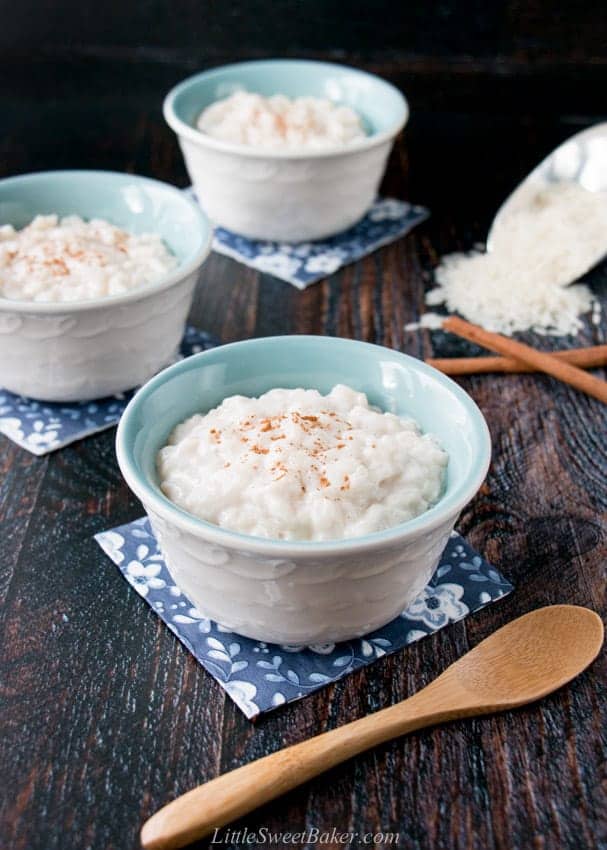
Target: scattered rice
pixel 552 237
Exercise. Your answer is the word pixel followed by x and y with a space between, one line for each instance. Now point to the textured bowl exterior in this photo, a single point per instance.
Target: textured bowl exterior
pixel 287 195
pixel 83 350
pixel 302 591
pixel 89 354
pixel 285 200
pixel 300 600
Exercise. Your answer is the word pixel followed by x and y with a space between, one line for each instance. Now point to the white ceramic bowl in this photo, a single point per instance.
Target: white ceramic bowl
pixel 302 592
pixel 287 196
pixel 89 349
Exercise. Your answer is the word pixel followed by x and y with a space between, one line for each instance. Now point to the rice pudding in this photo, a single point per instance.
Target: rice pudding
pixel 70 259
pixel 297 465
pixel 279 122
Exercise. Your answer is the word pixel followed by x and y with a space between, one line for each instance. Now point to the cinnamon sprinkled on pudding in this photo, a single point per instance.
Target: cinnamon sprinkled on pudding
pixel 279 122
pixel 296 465
pixel 70 259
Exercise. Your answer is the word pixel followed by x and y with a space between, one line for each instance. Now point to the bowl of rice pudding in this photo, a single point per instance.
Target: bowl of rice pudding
pixel 302 488
pixel 97 274
pixel 285 149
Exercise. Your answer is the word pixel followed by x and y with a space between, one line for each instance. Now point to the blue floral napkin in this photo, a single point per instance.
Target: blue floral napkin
pixel 41 427
pixel 260 676
pixel 304 263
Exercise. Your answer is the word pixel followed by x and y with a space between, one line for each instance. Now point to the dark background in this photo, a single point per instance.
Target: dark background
pixel 104 715
pixel 470 69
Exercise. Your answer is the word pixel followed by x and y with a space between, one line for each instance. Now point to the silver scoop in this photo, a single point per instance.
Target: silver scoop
pixel 581 159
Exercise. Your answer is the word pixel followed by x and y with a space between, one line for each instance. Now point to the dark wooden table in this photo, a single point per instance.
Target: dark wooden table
pixel 105 716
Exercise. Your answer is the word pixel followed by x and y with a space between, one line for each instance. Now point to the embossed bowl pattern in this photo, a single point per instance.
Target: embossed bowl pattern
pixel 302 592
pixel 90 349
pixel 287 196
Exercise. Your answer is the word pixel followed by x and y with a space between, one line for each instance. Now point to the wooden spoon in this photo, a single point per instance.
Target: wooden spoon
pixel 519 663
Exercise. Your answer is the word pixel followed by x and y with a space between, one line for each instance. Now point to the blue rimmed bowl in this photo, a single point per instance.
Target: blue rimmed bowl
pixel 302 592
pixel 84 350
pixel 291 196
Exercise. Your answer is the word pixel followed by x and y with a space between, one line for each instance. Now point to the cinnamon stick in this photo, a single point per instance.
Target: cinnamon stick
pixel 540 360
pixel 585 358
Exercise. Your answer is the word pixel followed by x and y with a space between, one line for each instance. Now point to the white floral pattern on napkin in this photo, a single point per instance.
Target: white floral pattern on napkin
pixel 304 263
pixel 260 676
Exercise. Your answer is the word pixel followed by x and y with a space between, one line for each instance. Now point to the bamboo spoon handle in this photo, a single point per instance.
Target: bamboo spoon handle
pixel 523 661
pixel 542 361
pixel 206 808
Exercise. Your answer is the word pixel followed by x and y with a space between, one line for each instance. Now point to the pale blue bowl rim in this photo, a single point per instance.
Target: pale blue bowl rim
pixel 449 505
pixel 185 267
pixel 182 128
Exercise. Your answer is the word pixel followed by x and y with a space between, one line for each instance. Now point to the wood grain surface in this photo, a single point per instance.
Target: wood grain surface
pixel 105 716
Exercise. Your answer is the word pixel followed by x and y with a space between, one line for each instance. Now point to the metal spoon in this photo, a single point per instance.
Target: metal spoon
pixel 525 660
pixel 581 159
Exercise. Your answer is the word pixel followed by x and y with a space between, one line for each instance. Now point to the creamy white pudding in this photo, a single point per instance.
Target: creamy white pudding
pixel 69 259
pixel 297 465
pixel 302 123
